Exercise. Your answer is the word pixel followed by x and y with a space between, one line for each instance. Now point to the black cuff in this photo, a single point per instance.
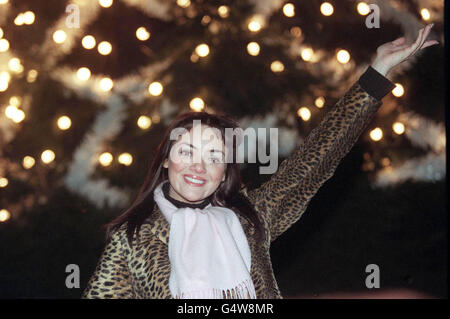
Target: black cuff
pixel 375 83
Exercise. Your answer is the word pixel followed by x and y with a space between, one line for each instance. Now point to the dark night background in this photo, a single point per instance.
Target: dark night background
pixel 349 224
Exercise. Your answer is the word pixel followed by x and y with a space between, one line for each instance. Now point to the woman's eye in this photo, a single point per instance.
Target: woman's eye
pixel 185 152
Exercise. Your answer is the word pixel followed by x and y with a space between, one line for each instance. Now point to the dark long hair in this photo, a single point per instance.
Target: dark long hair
pixel 226 195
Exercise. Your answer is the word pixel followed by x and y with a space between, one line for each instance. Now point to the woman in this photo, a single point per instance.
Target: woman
pixel 220 233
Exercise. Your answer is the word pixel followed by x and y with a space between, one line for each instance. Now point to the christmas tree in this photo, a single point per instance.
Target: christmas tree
pixel 88 87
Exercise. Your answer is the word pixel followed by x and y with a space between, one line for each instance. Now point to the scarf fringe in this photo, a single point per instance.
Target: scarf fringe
pixel 243 290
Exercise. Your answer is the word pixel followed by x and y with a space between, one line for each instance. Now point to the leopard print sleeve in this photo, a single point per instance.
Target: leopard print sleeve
pixel 282 200
pixel 111 278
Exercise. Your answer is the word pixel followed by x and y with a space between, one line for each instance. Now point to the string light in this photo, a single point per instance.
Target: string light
pixel 254 26
pixel 105 3
pixel 425 13
pixel 376 134
pixel 223 11
pixel 83 73
pixel 1 33
pixel 64 122
pixel 398 91
pixel 202 50
pixel 326 9
pixel 184 3
pixel 4 215
pixel 32 75
pixel 14 114
pixel 156 119
pixel 3 182
pixel 142 34
pixel 155 88
pixel 144 122
pixel 29 17
pixel 304 113
pixel 277 66
pixel 206 19
pixel 125 159
pixel 14 100
pixel 296 32
pixel 59 36
pixel 28 162
pixel 19 20
pixel 104 48
pixel 320 102
pixel 4 80
pixel 343 56
pixel 398 128
pixel 88 42
pixel 307 54
pixel 289 10
pixel 3 1
pixel 363 8
pixel 47 156
pixel 197 104
pixel 105 158
pixel 15 65
pixel 253 48
pixel 106 84
pixel 4 45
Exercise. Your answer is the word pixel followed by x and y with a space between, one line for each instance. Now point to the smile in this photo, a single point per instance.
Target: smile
pixel 194 181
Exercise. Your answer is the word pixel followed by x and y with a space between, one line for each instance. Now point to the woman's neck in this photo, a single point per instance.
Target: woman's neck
pixel 180 204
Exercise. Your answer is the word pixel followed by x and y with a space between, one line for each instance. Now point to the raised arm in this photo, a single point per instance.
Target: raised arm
pixel 111 278
pixel 283 199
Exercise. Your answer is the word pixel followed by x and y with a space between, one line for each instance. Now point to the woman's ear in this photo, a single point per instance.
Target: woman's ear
pixel 166 163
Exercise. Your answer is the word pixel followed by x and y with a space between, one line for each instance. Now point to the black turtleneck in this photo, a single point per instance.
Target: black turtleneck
pixel 180 204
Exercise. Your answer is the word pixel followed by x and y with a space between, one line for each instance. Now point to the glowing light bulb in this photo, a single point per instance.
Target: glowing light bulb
pixel 105 158
pixel 3 1
pixel 83 73
pixel 296 32
pixel 277 66
pixel 19 20
pixel 104 48
pixel 343 56
pixel 105 3
pixel 88 42
pixel 3 182
pixel 376 134
pixel 142 34
pixel 155 88
pixel 254 26
pixel 202 50
pixel 184 3
pixel 253 48
pixel 4 215
pixel 31 76
pixel 289 10
pixel 223 11
pixel 1 33
pixel 29 17
pixel 304 113
pixel 15 65
pixel 59 36
pixel 307 54
pixel 320 102
pixel 125 159
pixel 28 162
pixel 363 8
pixel 106 84
pixel 4 45
pixel 18 116
pixel 47 156
pixel 398 91
pixel 197 104
pixel 398 128
pixel 144 122
pixel 64 122
pixel 425 13
pixel 326 9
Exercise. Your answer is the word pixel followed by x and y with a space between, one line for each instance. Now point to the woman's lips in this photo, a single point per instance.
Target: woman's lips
pixel 196 178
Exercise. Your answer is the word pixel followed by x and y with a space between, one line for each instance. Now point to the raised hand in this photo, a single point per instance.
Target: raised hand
pixel 393 53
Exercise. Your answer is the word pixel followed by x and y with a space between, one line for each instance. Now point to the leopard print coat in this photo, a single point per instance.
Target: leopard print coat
pixel 143 270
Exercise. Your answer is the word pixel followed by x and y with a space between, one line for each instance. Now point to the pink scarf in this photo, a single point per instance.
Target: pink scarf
pixel 208 251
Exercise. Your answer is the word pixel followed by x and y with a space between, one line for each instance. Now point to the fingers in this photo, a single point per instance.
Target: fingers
pixel 423 34
pixel 428 44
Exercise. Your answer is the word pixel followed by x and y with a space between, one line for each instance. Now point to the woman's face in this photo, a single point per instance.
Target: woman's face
pixel 196 164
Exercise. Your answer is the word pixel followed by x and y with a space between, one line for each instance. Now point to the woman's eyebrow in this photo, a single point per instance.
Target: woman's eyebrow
pixel 211 151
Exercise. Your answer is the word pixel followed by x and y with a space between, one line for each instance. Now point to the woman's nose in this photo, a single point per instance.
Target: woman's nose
pixel 199 166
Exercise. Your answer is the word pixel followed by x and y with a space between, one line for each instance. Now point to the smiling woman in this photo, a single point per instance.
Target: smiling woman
pixel 195 232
